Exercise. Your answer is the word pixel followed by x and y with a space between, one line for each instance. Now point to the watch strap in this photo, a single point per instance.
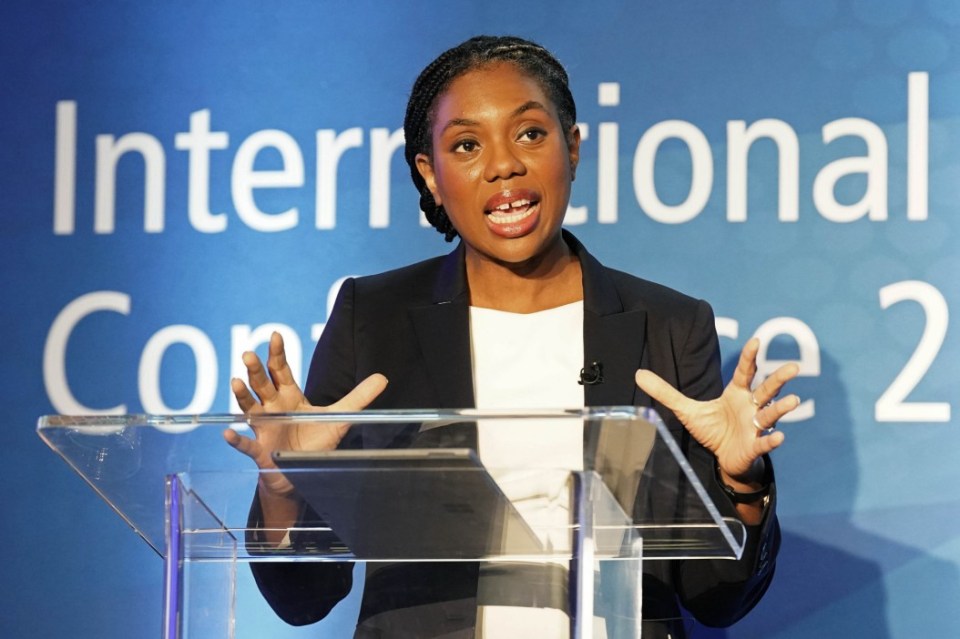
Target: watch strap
pixel 746 498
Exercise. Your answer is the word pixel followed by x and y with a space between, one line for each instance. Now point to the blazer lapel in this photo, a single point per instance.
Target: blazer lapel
pixel 616 342
pixel 613 337
pixel 443 332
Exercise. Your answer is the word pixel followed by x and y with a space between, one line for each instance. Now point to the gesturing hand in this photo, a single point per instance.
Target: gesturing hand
pixel 278 392
pixel 737 426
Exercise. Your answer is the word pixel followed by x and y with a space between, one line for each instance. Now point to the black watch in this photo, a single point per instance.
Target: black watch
pixel 747 498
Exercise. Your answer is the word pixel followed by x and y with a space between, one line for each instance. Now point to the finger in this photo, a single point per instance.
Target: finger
pixel 747 364
pixel 771 414
pixel 362 395
pixel 246 445
pixel 257 376
pixel 245 399
pixel 654 386
pixel 277 361
pixel 233 438
pixel 769 441
pixel 771 386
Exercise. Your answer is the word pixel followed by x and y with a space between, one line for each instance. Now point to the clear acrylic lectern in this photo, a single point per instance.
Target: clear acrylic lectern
pixel 584 491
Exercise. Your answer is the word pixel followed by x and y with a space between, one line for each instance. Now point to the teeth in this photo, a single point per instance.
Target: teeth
pixel 516 204
pixel 499 218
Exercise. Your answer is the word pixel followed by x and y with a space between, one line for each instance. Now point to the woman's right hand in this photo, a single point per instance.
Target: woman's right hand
pixel 274 390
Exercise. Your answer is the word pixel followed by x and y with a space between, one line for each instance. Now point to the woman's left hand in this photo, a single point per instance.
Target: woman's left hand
pixel 737 427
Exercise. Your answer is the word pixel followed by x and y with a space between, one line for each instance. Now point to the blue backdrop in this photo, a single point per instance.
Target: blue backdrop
pixel 176 176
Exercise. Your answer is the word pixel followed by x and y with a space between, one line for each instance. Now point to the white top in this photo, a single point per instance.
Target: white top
pixel 530 361
pixel 527 360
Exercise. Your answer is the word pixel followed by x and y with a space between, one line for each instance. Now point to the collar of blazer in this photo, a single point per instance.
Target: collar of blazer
pixel 612 335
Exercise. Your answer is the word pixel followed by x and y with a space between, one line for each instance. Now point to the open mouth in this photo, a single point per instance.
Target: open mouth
pixel 513 213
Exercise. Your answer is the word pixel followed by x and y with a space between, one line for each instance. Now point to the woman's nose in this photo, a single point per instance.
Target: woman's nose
pixel 503 163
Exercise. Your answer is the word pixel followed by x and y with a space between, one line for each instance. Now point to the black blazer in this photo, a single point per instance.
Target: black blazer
pixel 412 325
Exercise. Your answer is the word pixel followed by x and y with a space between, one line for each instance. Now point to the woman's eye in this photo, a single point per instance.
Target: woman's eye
pixel 532 135
pixel 465 146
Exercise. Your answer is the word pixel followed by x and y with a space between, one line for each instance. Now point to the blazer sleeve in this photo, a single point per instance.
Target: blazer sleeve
pixel 305 592
pixel 333 370
pixel 719 592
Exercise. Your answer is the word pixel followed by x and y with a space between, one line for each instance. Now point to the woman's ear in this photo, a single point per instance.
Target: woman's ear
pixel 573 149
pixel 425 168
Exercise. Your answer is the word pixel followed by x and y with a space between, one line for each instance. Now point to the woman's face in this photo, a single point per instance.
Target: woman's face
pixel 501 164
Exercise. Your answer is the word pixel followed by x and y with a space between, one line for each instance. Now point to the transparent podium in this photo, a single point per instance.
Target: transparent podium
pixel 556 510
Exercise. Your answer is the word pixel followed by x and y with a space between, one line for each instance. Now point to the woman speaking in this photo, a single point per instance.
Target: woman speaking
pixel 508 319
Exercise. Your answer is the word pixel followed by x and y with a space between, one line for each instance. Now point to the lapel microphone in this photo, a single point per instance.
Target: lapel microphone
pixel 592 374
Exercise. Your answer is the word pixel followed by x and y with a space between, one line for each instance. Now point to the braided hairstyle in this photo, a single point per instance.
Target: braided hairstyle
pixel 476 52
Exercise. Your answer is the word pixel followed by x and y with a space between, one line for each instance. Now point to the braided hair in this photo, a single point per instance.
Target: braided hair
pixel 476 52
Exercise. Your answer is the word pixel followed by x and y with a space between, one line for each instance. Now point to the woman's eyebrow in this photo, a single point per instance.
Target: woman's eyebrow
pixel 520 110
pixel 532 104
pixel 459 122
